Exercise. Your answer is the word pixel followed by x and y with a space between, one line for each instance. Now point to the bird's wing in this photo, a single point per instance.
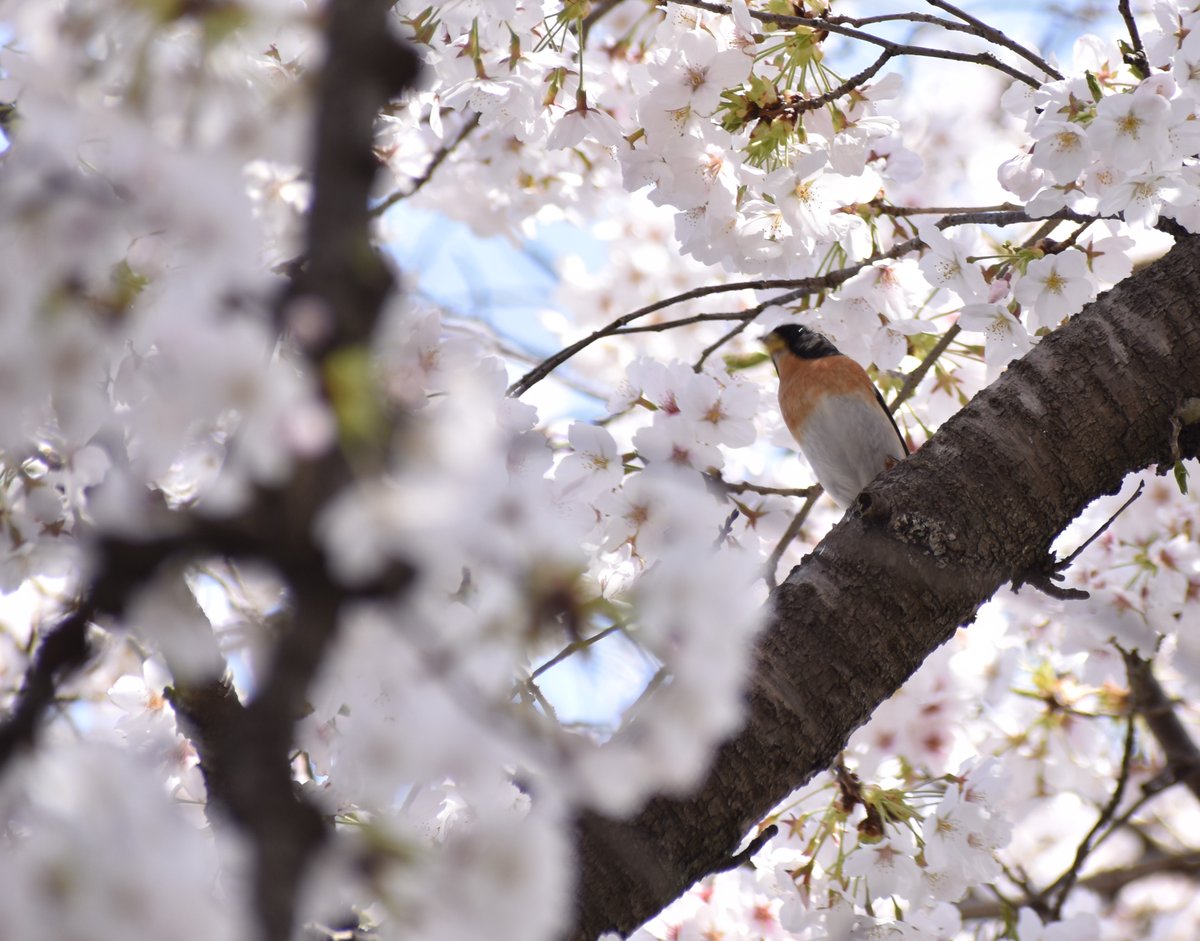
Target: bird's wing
pixel 892 419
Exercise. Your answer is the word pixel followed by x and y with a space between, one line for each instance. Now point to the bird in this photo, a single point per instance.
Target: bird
pixel 834 412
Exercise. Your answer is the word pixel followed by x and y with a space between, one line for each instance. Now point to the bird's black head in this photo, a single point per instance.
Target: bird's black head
pixel 800 341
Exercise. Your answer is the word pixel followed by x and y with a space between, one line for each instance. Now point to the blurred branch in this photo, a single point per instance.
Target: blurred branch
pixel 1106 883
pixel 1150 701
pixel 246 751
pixel 62 650
pixel 573 648
pixel 1063 885
pixel 942 210
pixel 122 568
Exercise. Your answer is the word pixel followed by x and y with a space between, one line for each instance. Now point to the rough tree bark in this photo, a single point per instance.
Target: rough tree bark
pixel 977 507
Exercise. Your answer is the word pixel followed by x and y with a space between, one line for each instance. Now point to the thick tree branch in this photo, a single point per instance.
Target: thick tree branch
pixel 922 549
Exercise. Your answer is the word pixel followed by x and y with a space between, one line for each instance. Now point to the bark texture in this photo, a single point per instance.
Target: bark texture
pixel 977 507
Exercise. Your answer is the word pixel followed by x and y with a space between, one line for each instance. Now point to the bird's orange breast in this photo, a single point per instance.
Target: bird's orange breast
pixel 803 382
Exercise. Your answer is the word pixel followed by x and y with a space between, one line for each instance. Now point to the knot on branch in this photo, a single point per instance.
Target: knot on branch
pixel 1044 575
pixel 1185 435
pixel 931 536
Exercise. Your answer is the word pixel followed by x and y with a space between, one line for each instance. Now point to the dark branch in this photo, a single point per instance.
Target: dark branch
pixel 853 82
pixel 796 288
pixel 1137 56
pixel 63 650
pixel 836 25
pixel 1150 701
pixel 1067 880
pixel 246 751
pixel 1106 883
pixel 435 161
pixel 993 35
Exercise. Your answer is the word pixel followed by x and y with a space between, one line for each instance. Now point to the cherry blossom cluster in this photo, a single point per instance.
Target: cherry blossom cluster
pixel 758 184
pixel 1113 141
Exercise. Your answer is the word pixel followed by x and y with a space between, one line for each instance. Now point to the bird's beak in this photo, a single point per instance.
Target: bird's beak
pixel 774 343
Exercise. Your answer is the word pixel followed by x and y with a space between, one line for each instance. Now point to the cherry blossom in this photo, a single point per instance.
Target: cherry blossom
pixel 1131 130
pixel 1006 336
pixel 582 121
pixel 1053 288
pixel 694 72
pixel 948 264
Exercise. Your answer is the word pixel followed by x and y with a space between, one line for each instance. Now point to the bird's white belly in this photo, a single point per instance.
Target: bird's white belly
pixel 848 440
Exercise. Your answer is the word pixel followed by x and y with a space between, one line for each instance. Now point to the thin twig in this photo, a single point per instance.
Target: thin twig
pixel 1066 563
pixel 995 36
pixel 726 529
pixel 572 648
pixel 438 158
pixel 651 687
pixel 745 485
pixel 896 49
pixel 1106 883
pixel 913 379
pixel 1067 880
pixel 743 315
pixel 790 534
pixel 799 287
pixel 944 210
pixel 721 341
pixel 811 104
pixel 548 365
pixel 547 707
pixel 970 26
pixel 1139 51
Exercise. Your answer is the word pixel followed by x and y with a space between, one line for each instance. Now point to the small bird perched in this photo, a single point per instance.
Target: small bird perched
pixel 834 412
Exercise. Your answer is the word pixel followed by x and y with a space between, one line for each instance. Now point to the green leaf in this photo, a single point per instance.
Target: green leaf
pixel 735 362
pixel 1181 476
pixel 354 393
